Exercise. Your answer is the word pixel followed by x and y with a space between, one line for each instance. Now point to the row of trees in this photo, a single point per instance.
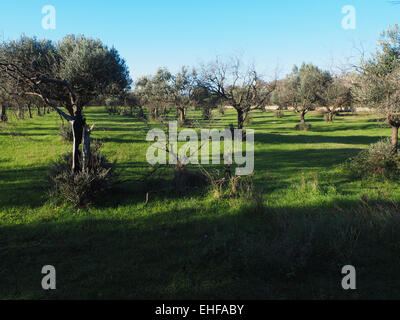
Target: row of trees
pixel 212 85
pixel 229 83
pixel 309 87
pixel 71 73
pixel 374 83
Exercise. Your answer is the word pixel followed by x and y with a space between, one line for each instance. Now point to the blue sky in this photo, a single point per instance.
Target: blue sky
pixel 153 33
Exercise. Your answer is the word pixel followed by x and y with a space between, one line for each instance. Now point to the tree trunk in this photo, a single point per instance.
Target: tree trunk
pixel 182 116
pixel 21 112
pixel 240 118
pixel 302 117
pixel 77 129
pixel 395 138
pixel 155 113
pixel 3 113
pixel 30 111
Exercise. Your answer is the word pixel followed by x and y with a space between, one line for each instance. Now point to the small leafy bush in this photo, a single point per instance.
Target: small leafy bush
pixel 114 110
pixel 223 184
pixel 378 160
pixel 84 187
pixel 303 127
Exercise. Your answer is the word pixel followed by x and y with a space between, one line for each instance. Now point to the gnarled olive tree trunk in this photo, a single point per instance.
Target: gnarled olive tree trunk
pixel 302 116
pixel 241 116
pixel 21 113
pixel 30 111
pixel 331 116
pixel 394 121
pixel 77 130
pixel 81 135
pixel 182 114
pixel 3 116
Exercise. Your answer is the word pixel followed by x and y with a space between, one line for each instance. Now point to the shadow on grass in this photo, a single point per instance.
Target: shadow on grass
pixel 197 253
pixel 23 187
pixel 269 138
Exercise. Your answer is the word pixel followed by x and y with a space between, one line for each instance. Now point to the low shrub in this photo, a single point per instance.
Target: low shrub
pixel 114 110
pixel 303 127
pixel 224 184
pixel 84 187
pixel 378 160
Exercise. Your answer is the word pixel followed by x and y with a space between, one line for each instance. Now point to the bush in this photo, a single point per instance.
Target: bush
pixel 303 127
pixel 223 184
pixel 84 187
pixel 66 133
pixel 114 110
pixel 378 160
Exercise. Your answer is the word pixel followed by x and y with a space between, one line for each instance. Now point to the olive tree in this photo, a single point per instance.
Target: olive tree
pixel 181 91
pixel 206 100
pixel 303 89
pixel 236 85
pixel 378 81
pixel 154 91
pixel 337 95
pixel 68 75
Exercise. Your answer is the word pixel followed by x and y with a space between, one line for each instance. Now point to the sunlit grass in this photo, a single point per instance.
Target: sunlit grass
pixel 193 245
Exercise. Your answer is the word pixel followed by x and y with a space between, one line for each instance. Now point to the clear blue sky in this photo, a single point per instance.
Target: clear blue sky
pixel 172 33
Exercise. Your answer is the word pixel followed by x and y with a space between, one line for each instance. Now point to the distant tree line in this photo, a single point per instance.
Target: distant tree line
pixel 76 72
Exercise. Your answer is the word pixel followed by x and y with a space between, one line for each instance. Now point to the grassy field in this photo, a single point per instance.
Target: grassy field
pixel 315 219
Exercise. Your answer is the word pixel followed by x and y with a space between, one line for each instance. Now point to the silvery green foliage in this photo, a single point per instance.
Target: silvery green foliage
pixel 378 160
pixel 34 58
pixel 91 68
pixel 42 67
pixel 154 91
pixel 165 89
pixel 377 84
pixel 306 86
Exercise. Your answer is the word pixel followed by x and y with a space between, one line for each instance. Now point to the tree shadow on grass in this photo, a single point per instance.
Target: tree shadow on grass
pixel 269 138
pixel 198 253
pixel 300 159
pixel 23 187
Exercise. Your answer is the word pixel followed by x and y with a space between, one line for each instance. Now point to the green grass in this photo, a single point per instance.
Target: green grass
pixel 189 246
